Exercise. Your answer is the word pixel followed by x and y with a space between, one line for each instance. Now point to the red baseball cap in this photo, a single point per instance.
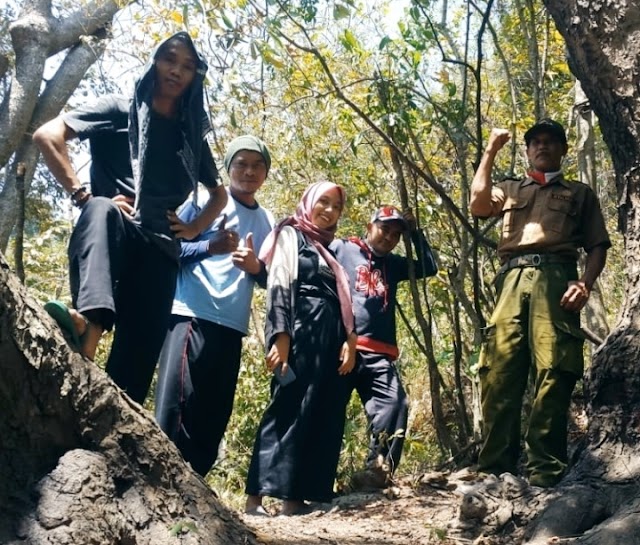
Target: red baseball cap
pixel 390 213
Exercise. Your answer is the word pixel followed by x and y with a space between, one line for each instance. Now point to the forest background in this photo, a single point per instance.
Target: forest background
pixel 392 100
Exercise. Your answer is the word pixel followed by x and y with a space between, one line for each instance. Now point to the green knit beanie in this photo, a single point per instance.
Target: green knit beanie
pixel 250 143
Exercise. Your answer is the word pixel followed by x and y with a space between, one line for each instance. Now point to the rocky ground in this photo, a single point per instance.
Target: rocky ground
pixel 442 508
pixel 423 511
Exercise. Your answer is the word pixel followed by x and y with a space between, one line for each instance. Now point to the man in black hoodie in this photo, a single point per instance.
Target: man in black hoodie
pixel 148 154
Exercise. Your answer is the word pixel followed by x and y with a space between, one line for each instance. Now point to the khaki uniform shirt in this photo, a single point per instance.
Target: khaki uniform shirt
pixel 559 218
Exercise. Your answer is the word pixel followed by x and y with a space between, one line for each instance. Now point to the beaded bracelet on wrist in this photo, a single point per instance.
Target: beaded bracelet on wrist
pixel 74 194
pixel 77 200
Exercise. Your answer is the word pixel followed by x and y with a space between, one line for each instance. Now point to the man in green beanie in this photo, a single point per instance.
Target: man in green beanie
pixel 247 143
pixel 200 358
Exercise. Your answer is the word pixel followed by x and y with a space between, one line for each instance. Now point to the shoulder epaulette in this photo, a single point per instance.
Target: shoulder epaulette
pixel 512 179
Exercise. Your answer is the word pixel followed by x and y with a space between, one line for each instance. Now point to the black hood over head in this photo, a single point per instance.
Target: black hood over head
pixel 194 120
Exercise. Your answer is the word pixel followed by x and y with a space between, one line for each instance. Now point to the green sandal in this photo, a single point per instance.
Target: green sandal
pixel 60 313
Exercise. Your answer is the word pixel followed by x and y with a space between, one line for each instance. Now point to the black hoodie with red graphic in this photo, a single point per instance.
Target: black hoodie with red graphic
pixel 374 282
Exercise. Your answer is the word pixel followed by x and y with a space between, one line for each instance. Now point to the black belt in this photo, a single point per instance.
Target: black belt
pixel 534 260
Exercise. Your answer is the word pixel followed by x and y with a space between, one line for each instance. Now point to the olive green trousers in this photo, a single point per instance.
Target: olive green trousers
pixel 529 332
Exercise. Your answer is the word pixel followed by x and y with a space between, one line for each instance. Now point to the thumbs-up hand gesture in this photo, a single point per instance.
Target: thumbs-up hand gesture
pixel 245 257
pixel 223 241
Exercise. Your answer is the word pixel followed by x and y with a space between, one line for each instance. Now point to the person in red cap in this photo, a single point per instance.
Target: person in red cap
pixel 374 273
pixel 535 325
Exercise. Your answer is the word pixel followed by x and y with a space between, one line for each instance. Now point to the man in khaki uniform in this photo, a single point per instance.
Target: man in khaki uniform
pixel 545 220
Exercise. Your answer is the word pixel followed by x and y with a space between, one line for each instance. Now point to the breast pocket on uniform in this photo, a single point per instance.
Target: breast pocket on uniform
pixel 514 217
pixel 562 212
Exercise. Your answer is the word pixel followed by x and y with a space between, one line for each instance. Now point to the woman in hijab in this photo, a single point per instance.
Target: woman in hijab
pixel 310 348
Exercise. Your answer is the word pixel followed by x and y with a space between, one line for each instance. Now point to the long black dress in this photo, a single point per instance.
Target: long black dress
pixel 297 447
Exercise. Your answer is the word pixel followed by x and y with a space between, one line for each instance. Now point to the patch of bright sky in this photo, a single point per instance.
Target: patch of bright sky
pixel 391 12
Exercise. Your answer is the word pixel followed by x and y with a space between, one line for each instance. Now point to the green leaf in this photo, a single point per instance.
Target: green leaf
pixel 349 41
pixel 340 11
pixel 185 16
pixel 271 58
pixel 474 363
pixel 354 143
pixel 383 43
pixel 227 21
pixel 183 527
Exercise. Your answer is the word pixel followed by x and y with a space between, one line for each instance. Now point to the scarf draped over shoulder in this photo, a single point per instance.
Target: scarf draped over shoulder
pixel 320 238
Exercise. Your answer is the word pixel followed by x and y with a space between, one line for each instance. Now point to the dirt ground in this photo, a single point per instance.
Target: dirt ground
pixel 419 512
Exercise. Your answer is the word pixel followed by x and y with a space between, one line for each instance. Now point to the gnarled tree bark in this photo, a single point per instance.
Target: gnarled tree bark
pixel 604 54
pixel 79 461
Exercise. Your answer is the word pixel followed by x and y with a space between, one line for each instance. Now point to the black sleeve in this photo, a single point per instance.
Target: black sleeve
pixel 261 277
pixel 425 261
pixel 109 113
pixel 209 175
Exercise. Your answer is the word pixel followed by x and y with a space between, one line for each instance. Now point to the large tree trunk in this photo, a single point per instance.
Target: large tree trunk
pixel 79 461
pixel 604 54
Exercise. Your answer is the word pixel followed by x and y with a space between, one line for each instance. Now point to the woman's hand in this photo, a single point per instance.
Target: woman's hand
pixel 279 353
pixel 348 355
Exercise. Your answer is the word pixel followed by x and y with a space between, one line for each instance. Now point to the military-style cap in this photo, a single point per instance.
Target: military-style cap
pixel 549 126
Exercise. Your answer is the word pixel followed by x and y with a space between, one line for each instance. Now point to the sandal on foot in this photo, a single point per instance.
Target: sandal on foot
pixel 60 313
pixel 370 479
